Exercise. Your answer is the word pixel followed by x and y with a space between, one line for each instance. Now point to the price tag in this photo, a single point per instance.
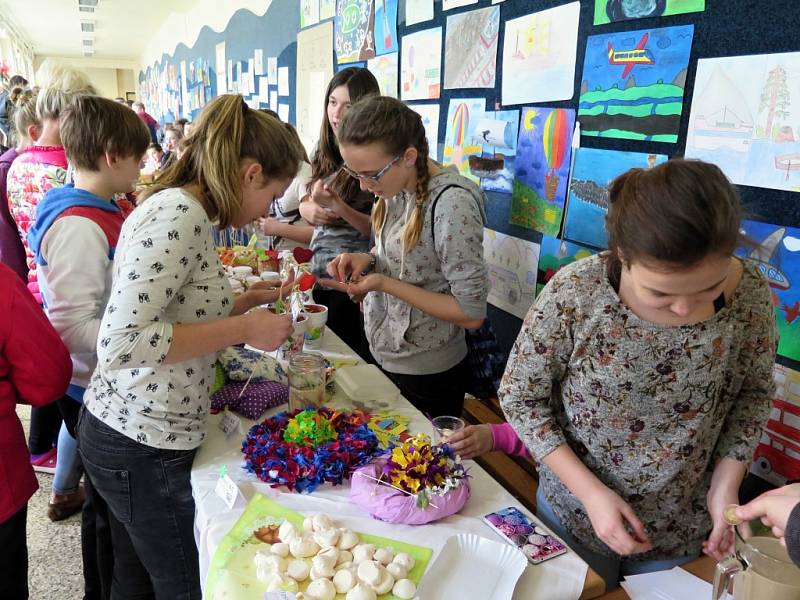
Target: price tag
pixel 227 490
pixel 229 422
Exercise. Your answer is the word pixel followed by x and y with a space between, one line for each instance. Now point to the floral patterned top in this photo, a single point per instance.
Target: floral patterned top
pixel 35 171
pixel 648 408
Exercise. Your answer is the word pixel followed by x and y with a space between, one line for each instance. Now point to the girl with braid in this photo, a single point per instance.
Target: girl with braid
pixel 425 279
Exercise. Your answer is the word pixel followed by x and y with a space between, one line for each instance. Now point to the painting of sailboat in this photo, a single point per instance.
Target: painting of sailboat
pixel 745 118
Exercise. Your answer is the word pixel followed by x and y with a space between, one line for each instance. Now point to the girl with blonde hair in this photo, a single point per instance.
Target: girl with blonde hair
pixel 170 310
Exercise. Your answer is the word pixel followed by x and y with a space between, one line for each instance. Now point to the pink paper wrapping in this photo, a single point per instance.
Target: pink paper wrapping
pixel 387 504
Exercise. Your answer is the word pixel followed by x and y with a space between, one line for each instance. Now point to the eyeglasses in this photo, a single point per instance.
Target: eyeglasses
pixel 372 178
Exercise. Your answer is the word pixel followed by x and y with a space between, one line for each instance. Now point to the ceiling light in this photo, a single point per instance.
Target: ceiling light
pixel 87 26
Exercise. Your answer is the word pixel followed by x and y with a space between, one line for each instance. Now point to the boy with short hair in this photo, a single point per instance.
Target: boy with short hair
pixel 73 241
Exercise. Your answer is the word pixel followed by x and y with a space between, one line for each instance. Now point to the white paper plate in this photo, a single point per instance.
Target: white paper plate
pixel 470 566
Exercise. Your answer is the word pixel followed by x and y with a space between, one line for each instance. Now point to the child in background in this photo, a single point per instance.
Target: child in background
pixel 171 310
pixel 34 370
pixel 153 158
pixel 642 377
pixel 21 107
pixel 339 211
pixel 172 136
pixel 429 281
pixel 284 227
pixel 39 168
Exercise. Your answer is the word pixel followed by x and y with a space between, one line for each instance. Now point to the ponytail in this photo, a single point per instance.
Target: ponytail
pixel 226 133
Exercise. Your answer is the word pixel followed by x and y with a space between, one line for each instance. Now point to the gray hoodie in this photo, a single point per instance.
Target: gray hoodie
pixel 406 340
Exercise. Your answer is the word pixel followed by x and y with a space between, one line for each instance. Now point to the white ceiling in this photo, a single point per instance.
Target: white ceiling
pixel 122 27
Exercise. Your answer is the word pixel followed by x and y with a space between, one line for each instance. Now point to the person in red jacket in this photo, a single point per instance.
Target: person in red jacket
pixel 35 369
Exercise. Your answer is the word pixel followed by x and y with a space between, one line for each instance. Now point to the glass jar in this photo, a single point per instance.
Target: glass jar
pixel 306 380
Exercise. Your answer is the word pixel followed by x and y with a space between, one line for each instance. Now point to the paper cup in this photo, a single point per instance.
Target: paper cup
pixel 294 343
pixel 317 316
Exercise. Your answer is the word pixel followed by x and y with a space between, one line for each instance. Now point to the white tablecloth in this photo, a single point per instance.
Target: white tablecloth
pixel 560 578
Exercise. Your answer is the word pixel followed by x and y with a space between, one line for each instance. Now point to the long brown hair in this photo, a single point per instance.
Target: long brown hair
pixel 389 122
pixel 676 213
pixel 327 159
pixel 226 133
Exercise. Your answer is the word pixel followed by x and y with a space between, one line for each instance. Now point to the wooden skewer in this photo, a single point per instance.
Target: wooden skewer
pixel 392 486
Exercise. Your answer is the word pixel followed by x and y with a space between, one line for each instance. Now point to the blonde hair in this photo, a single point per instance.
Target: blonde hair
pixel 226 133
pixel 22 112
pixel 62 86
pixel 389 122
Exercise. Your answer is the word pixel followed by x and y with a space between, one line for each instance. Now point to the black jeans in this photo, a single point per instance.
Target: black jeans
pixel 150 510
pixel 14 556
pixel 344 319
pixel 437 394
pixel 45 424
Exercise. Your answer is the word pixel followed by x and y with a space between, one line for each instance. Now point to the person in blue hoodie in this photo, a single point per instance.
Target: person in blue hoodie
pixel 73 241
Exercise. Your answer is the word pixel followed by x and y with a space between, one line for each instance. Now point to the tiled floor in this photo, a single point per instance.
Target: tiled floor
pixel 54 549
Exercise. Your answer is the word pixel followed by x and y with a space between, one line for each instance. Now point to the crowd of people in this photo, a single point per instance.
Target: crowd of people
pixel 639 382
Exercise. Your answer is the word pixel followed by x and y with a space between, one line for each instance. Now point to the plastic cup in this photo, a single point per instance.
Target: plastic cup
pixel 445 426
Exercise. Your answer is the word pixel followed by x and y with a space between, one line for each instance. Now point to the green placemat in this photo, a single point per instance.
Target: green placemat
pixel 232 573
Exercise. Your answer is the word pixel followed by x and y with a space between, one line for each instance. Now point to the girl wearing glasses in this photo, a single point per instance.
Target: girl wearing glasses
pixel 339 211
pixel 428 279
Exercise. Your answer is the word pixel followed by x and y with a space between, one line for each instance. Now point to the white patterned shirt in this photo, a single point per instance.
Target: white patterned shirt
pixel 166 271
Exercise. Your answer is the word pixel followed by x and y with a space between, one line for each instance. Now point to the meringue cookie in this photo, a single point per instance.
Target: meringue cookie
pixel 281 583
pixel 369 573
pixel 404 560
pixel 344 581
pixel 404 589
pixel 363 552
pixel 326 538
pixel 384 556
pixel 347 539
pixel 298 570
pixel 322 566
pixel 345 556
pixel 302 547
pixel 361 592
pixel 397 570
pixel 308 524
pixel 287 532
pixel 280 549
pixel 331 553
pixel 315 574
pixel 385 584
pixel 321 589
pixel 321 522
pixel 346 565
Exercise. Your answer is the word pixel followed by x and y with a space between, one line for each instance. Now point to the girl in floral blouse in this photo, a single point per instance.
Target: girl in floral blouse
pixel 642 377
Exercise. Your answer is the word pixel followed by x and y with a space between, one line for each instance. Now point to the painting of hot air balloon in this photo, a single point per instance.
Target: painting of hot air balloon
pixel 459 145
pixel 541 168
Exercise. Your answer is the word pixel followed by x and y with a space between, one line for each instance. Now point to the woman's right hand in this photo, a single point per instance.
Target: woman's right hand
pixel 266 330
pixel 350 265
pixel 612 518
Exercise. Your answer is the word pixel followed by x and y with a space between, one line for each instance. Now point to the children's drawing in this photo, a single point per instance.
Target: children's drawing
pixel 327 9
pixel 539 55
pixel 430 120
pixel 360 65
pixel 588 194
pixel 385 70
pixel 385 27
pixel 541 168
pixel 633 83
pixel 470 49
pixel 418 11
pixel 745 118
pixel 448 4
pixel 309 13
pixel 512 264
pixel 354 37
pixel 497 131
pixel 459 143
pixel 778 259
pixel 611 11
pixel 421 59
pixel 554 255
pixel 777 457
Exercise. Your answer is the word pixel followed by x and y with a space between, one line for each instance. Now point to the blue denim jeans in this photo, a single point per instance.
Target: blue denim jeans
pixel 151 512
pixel 69 470
pixel 610 568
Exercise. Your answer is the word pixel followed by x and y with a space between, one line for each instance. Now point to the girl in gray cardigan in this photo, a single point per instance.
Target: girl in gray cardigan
pixel 425 279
